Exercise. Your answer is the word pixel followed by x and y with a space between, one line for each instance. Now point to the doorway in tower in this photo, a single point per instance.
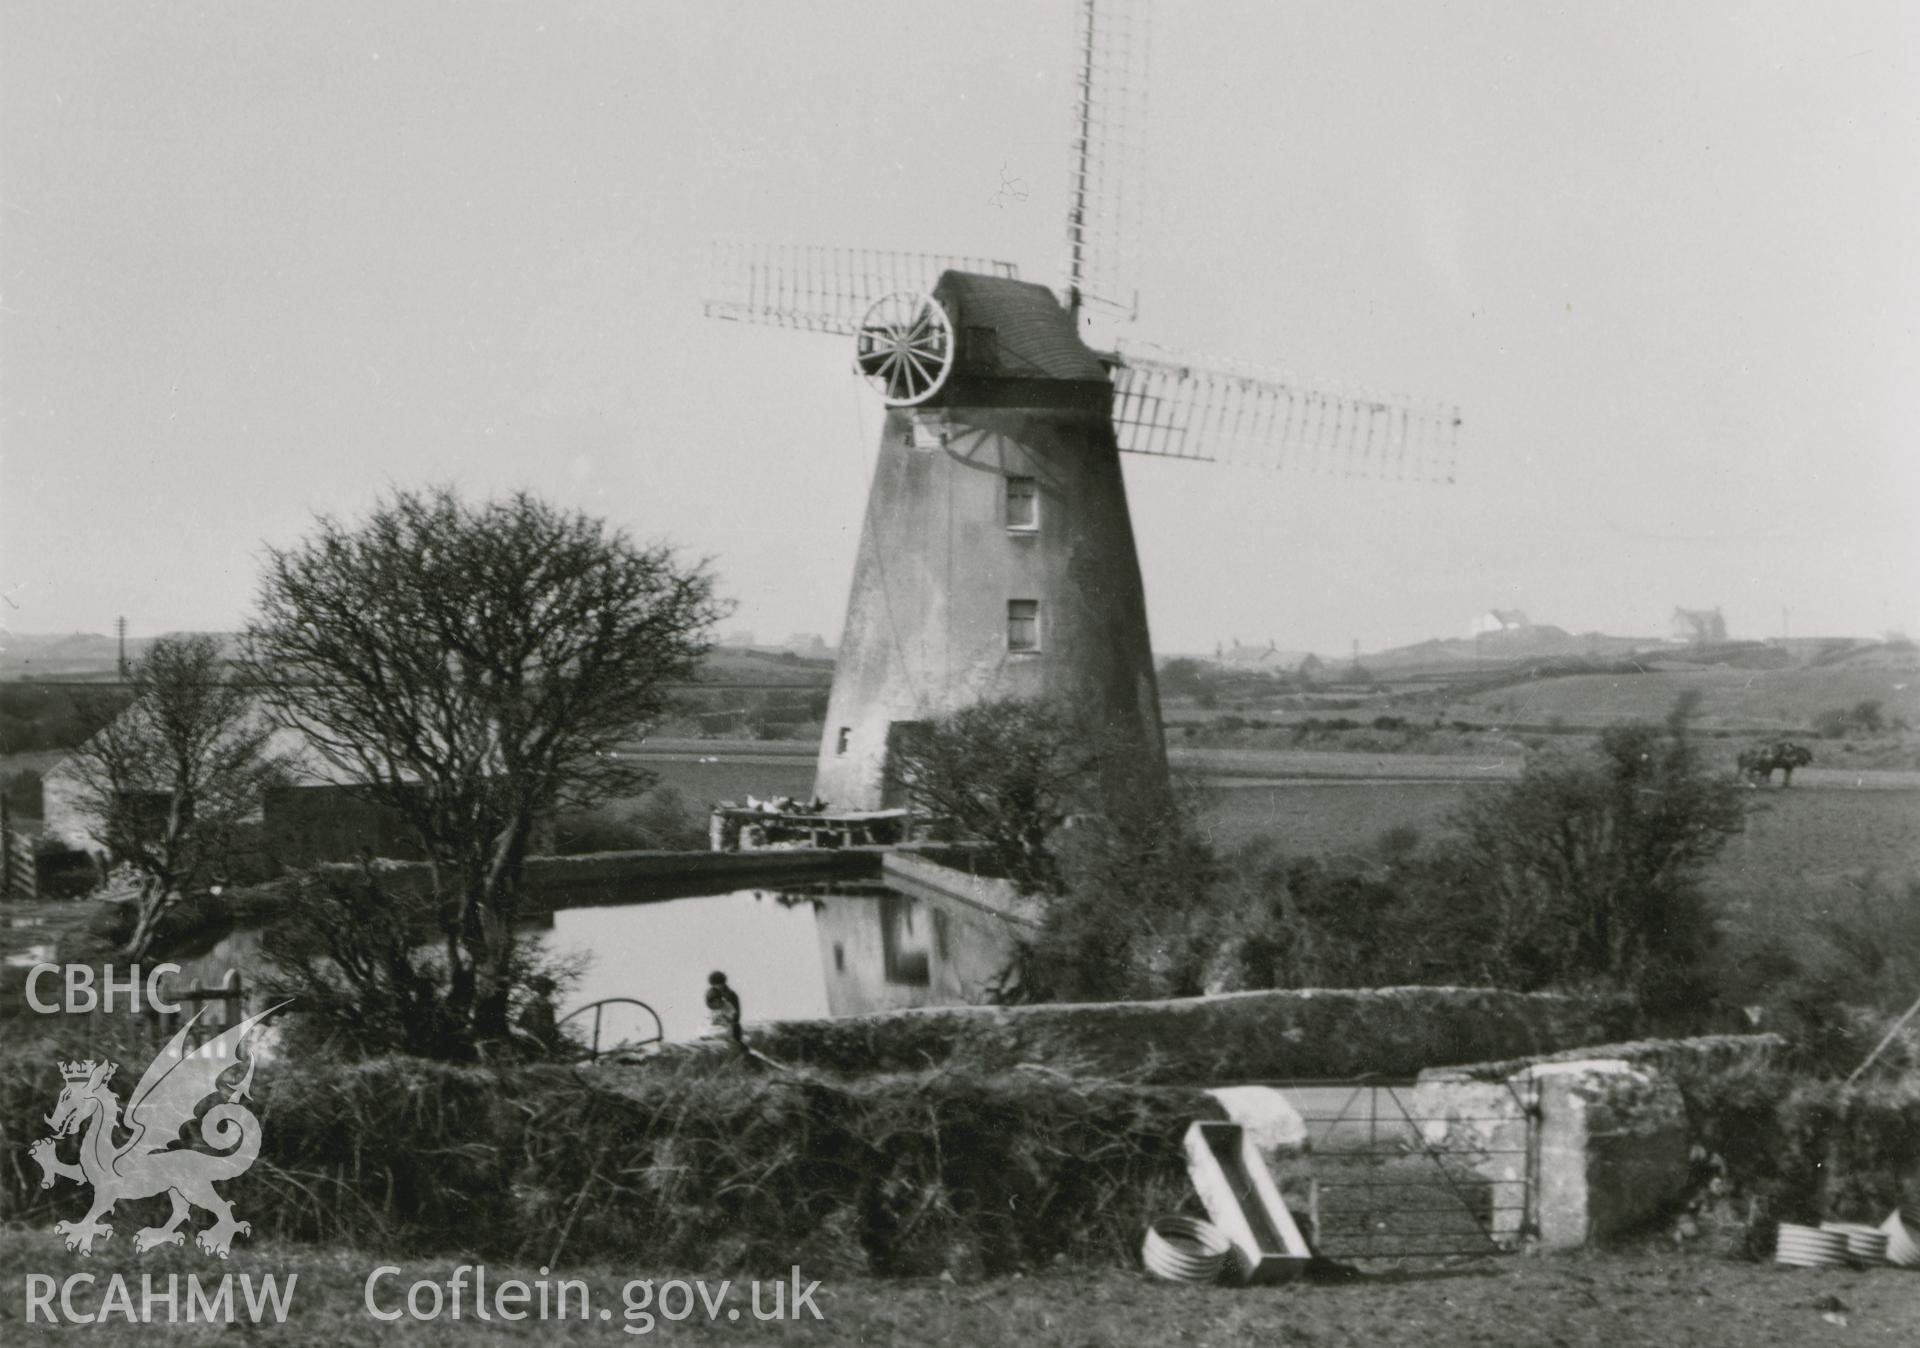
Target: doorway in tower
pixel 901 736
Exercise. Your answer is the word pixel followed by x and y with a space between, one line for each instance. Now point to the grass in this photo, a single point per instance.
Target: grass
pixel 1326 818
pixel 1796 839
pixel 707 784
pixel 1619 1299
pixel 1761 699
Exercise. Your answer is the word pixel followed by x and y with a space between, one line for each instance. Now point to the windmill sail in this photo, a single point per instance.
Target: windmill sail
pixel 1186 410
pixel 1109 149
pixel 822 289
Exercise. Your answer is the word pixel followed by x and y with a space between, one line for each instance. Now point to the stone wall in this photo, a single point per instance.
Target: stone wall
pixel 1611 1136
pixel 1677 1058
pixel 1246 1036
pixel 564 881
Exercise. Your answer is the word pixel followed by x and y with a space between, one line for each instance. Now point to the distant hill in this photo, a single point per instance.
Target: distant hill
pixel 95 656
pixel 1788 699
pixel 1461 654
pixel 73 655
pixel 772 669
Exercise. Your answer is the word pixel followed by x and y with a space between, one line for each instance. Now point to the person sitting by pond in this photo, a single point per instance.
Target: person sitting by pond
pixel 723 1010
pixel 537 1023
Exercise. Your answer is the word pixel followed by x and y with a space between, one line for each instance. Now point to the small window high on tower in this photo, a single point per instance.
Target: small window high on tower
pixel 1023 624
pixel 1023 503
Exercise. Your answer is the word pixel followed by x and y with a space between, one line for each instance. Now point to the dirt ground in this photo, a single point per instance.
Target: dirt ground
pixel 1612 1299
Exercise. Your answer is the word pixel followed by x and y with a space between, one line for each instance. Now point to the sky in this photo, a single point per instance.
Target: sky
pixel 263 262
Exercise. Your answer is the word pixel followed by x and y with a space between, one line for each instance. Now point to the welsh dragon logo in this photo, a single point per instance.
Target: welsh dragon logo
pixel 148 1162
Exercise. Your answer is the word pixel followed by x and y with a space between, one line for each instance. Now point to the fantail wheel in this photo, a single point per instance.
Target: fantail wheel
pixel 904 347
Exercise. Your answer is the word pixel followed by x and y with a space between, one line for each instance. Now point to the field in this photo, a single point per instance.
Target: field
pixel 1615 1299
pixel 732 775
pixel 1816 832
pixel 1327 817
pixel 1758 699
pixel 1803 838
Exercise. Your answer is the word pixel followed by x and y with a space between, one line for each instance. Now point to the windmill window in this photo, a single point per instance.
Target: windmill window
pixel 1023 624
pixel 842 739
pixel 1023 503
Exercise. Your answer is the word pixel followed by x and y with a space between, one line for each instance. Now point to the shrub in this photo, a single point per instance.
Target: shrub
pixel 1007 771
pixel 660 819
pixel 358 953
pixel 689 1165
pixel 24 794
pixel 1126 922
pixel 1834 724
pixel 1593 864
pixel 1830 974
pixel 1778 1146
pixel 65 872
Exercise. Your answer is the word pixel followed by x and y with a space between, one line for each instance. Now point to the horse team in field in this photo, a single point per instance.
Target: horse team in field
pixel 1756 765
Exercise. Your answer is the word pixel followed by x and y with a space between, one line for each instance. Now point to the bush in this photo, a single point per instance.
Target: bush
pixel 1127 922
pixel 359 955
pixel 687 1166
pixel 660 819
pixel 1007 771
pixel 1592 865
pixel 1867 717
pixel 24 795
pixel 1833 725
pixel 1776 1147
pixel 1831 974
pixel 1584 874
pixel 37 717
pixel 64 872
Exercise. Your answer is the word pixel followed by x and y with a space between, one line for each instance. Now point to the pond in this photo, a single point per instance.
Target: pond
pixel 832 949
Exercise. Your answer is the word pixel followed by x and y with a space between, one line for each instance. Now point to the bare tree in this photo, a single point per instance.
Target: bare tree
pixel 474 668
pixel 171 782
pixel 1007 771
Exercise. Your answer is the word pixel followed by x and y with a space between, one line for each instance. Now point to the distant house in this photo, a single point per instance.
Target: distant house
pixel 1698 627
pixel 1499 620
pixel 808 646
pixel 1252 659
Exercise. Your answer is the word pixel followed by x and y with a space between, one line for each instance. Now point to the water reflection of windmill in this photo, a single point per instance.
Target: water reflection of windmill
pixel 997 556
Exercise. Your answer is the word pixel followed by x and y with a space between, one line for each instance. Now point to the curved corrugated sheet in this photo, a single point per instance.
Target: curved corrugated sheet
pixel 1033 337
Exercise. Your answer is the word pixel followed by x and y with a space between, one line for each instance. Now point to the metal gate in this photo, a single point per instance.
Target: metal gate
pixel 1404 1169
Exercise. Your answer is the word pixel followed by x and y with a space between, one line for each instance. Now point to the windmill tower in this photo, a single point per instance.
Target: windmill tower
pixel 997 556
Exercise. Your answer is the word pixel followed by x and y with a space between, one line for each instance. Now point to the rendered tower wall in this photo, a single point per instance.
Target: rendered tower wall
pixel 927 628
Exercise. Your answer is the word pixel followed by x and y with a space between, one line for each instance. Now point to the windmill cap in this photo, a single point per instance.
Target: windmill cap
pixel 1011 329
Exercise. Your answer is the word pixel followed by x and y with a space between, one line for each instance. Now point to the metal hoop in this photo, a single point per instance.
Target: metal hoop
pixel 904 347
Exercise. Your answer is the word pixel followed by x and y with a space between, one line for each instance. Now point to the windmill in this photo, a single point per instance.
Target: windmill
pixel 997 555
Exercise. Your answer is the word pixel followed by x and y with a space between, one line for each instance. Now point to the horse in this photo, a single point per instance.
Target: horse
pixel 1757 765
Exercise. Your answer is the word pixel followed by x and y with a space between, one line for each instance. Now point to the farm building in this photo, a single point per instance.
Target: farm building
pixel 314 816
pixel 1499 620
pixel 1698 627
pixel 1254 659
